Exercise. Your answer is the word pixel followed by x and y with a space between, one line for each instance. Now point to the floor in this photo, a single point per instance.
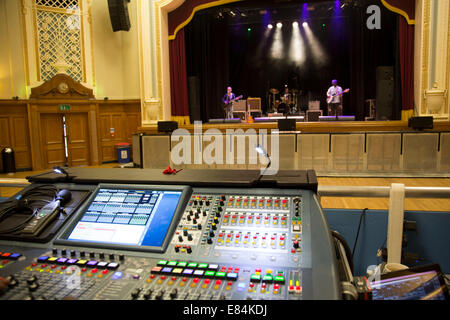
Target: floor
pixel 327 202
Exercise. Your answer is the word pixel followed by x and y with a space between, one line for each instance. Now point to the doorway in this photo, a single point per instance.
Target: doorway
pixel 65 139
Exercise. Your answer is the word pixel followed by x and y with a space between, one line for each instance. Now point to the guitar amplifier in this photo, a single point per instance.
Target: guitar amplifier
pixel 254 104
pixel 240 106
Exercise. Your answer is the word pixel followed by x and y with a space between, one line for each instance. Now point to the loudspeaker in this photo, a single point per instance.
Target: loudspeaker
pixel 118 13
pixel 384 92
pixel 167 126
pixel 194 98
pixel 287 125
pixel 420 123
pixel 313 115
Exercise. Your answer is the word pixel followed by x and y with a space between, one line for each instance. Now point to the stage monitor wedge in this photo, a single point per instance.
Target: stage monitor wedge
pixel 118 13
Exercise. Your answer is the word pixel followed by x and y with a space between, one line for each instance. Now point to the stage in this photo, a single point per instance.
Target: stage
pixel 312 127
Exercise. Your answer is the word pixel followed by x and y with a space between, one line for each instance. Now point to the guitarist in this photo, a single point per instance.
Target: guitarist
pixel 334 99
pixel 228 100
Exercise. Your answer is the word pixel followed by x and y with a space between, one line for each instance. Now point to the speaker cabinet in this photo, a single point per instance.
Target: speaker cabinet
pixel 287 125
pixel 167 126
pixel 384 92
pixel 118 13
pixel 420 123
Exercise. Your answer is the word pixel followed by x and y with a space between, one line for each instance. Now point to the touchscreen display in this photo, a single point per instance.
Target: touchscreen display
pixel 417 286
pixel 127 217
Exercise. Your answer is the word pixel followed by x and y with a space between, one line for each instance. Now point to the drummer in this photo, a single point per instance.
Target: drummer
pixel 286 96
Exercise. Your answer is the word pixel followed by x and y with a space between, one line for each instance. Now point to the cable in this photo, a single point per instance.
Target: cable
pixel 363 214
pixel 30 201
pixel 346 248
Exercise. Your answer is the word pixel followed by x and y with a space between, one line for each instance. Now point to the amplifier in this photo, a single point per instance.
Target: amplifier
pixel 167 126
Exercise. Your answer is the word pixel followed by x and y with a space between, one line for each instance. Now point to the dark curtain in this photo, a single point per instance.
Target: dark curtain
pixel 207 59
pixel 370 49
pixel 406 41
pixel 178 83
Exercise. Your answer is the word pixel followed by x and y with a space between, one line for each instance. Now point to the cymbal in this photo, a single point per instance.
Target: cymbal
pixel 274 91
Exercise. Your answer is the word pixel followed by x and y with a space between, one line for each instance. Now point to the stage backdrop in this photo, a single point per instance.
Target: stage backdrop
pixel 213 87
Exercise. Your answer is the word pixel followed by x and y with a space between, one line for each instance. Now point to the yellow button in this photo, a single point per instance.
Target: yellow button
pixel 182 283
pixel 100 275
pixel 89 275
pixel 269 271
pixel 170 283
pixel 204 286
pixel 149 280
pixel 228 288
pixel 216 287
pixel 159 281
pixel 193 285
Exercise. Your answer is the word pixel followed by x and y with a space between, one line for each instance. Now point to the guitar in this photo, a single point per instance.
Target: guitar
pixel 231 101
pixel 330 98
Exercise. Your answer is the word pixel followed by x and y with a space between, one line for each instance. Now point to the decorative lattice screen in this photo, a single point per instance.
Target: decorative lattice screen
pixel 59 38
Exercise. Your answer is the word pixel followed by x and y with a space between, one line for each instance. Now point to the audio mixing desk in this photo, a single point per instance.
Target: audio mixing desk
pixel 197 235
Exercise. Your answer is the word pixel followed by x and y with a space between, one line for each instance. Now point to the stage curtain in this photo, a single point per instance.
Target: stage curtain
pixel 406 8
pixel 406 39
pixel 178 83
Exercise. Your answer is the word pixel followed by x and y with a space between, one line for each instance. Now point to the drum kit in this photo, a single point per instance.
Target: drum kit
pixel 286 103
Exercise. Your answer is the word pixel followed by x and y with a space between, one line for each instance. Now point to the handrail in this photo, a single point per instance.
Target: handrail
pixel 382 192
pixel 13 182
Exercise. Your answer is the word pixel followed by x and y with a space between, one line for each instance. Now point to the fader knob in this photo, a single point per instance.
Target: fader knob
pixel 32 280
pixel 296 244
pixel 135 293
pixel 209 240
pixel 148 294
pixel 207 202
pixel 189 249
pixel 102 255
pixel 189 237
pixel 33 287
pixel 185 232
pixel 174 293
pixel 180 238
pixel 211 234
pixel 159 295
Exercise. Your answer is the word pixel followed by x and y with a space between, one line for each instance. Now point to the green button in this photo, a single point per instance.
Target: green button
pixel 220 274
pixel 267 278
pixel 192 265
pixel 255 278
pixel 280 271
pixel 182 264
pixel 203 266
pixel 172 263
pixel 162 262
pixel 279 279
pixel 209 274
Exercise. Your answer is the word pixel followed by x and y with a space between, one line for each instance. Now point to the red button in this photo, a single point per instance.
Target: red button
pixel 184 279
pixel 43 265
pixel 152 276
pixel 63 267
pixel 105 271
pixel 219 282
pixel 83 270
pixel 195 280
pixel 229 283
pixel 174 278
pixel 207 281
pixel 251 285
pixel 163 277
pixel 53 266
pixel 34 264
pixel 5 261
pixel 94 270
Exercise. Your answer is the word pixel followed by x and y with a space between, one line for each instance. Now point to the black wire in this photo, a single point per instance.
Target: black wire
pixel 31 200
pixel 340 238
pixel 363 214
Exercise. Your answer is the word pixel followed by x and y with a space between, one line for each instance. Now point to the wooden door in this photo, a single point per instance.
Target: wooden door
pixel 52 140
pixel 78 145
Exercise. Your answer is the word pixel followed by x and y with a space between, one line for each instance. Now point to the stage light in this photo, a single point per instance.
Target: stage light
pixel 249 29
pixel 297 47
pixel 279 25
pixel 277 49
pixel 305 24
pixel 270 26
pixel 295 24
pixel 318 54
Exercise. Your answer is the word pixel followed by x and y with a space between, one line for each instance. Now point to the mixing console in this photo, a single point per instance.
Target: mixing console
pixel 217 244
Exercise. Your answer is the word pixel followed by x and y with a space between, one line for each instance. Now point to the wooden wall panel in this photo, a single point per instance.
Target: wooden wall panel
pixel 14 132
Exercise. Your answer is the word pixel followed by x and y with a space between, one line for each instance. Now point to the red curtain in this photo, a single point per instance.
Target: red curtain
pixel 406 38
pixel 178 76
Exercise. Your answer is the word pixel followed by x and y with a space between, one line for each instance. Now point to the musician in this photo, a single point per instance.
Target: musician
pixel 334 95
pixel 228 100
pixel 287 95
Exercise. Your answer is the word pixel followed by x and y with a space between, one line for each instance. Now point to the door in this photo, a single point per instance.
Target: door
pixel 65 139
pixel 78 145
pixel 52 140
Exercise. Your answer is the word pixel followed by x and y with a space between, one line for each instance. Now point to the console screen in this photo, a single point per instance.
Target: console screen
pixel 127 217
